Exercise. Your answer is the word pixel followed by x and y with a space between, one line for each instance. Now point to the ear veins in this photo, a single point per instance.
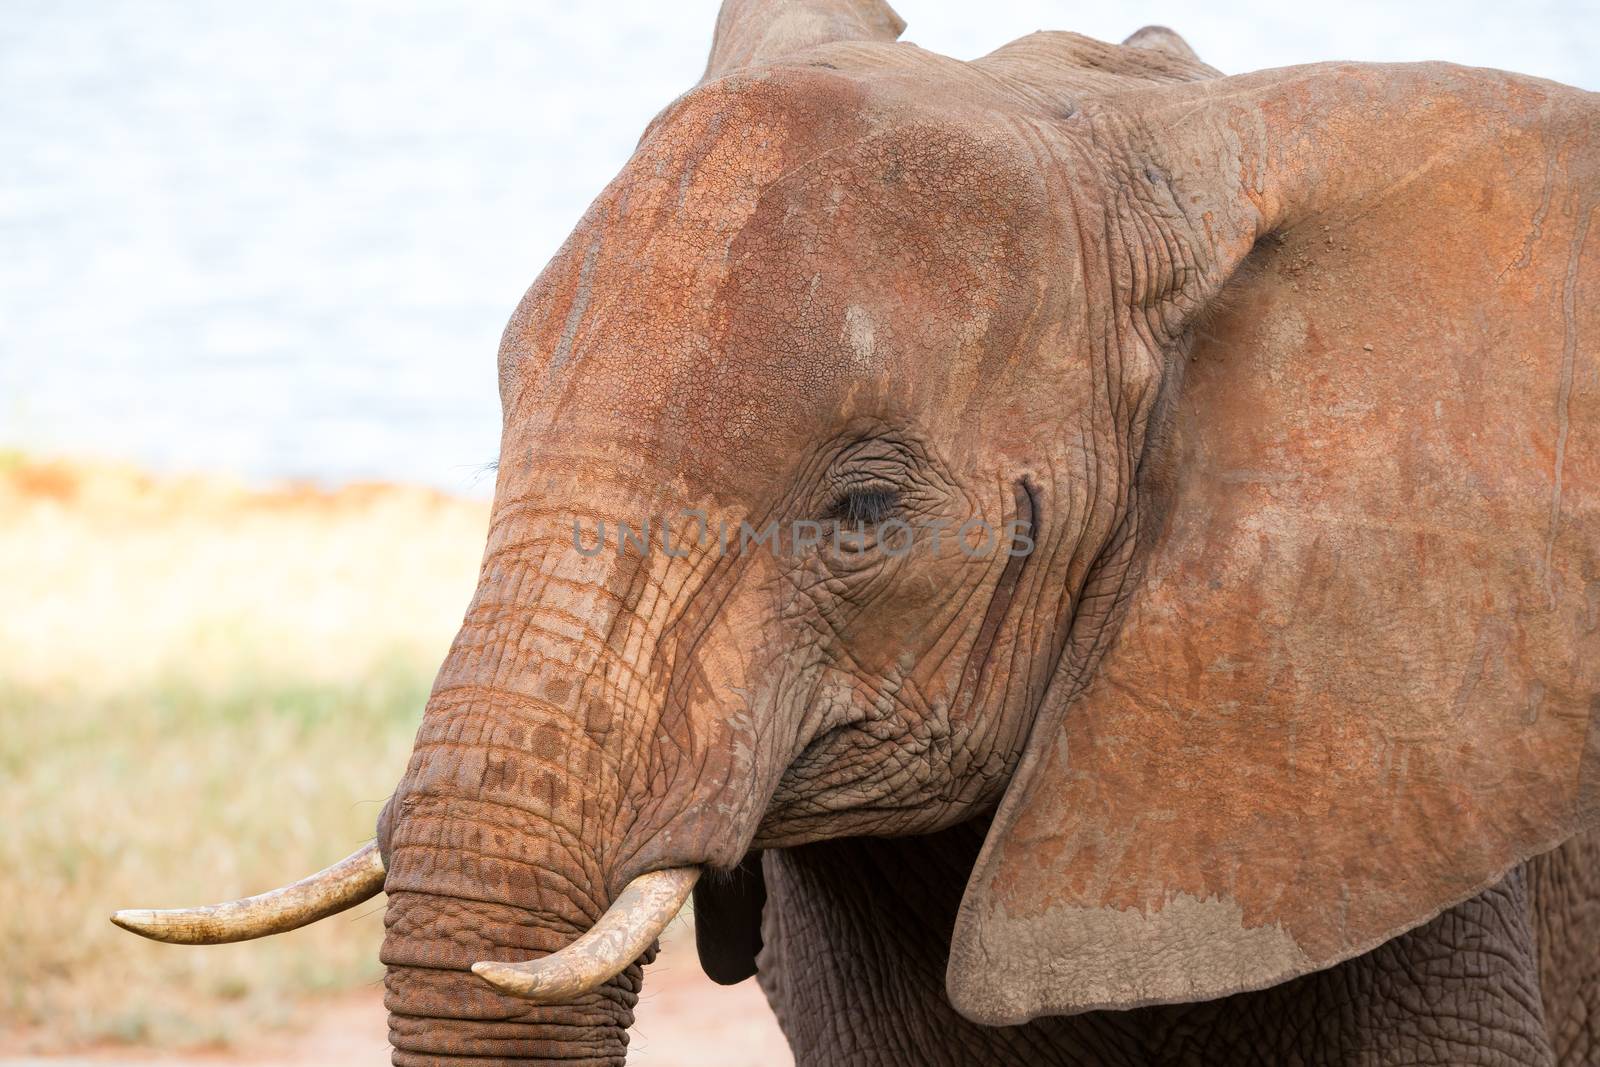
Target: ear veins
pixel 1004 591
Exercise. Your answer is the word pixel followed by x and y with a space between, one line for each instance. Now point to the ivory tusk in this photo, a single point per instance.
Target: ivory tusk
pixel 634 920
pixel 347 883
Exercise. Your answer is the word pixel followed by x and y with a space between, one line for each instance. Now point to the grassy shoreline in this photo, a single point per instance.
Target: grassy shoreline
pixel 205 690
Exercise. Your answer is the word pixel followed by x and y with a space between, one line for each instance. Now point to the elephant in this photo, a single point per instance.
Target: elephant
pixel 1247 710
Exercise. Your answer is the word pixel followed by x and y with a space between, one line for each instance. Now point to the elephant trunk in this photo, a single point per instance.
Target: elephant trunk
pixel 532 847
pixel 439 1011
pixel 475 880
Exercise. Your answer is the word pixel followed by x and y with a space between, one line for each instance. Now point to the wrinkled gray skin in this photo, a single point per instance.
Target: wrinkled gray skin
pixel 855 960
pixel 599 718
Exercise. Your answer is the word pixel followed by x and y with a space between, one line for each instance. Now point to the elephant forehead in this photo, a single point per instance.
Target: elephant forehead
pixel 778 251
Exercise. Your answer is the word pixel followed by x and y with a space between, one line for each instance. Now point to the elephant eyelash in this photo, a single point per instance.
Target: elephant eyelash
pixel 865 505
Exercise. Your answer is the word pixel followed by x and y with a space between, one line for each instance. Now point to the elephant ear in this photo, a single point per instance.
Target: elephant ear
pixel 1357 676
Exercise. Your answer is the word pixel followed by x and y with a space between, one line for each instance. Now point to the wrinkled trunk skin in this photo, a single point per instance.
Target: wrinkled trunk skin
pixel 438 1012
pixel 437 930
pixel 501 839
pixel 474 876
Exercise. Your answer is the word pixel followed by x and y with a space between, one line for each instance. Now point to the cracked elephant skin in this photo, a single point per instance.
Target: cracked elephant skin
pixel 854 965
pixel 1247 710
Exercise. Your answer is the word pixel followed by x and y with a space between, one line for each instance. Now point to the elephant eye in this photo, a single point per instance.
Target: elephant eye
pixel 864 505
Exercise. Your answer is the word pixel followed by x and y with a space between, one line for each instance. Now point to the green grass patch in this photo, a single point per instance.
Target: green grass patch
pixel 185 792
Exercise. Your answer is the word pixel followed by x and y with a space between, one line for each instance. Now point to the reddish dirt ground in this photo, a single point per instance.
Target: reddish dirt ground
pixel 683 1020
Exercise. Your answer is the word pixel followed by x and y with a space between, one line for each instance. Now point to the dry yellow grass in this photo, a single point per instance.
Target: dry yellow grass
pixel 204 691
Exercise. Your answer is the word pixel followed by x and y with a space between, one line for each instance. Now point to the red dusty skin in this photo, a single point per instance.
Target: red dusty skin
pixel 521 820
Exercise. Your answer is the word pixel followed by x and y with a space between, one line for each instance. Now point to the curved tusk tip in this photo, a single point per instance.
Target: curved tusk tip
pixel 155 924
pixel 134 920
pixel 628 928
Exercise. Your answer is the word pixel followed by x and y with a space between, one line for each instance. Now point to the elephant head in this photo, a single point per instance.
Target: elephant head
pixel 1185 470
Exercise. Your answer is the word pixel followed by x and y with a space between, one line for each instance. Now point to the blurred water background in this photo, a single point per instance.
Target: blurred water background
pixel 281 240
